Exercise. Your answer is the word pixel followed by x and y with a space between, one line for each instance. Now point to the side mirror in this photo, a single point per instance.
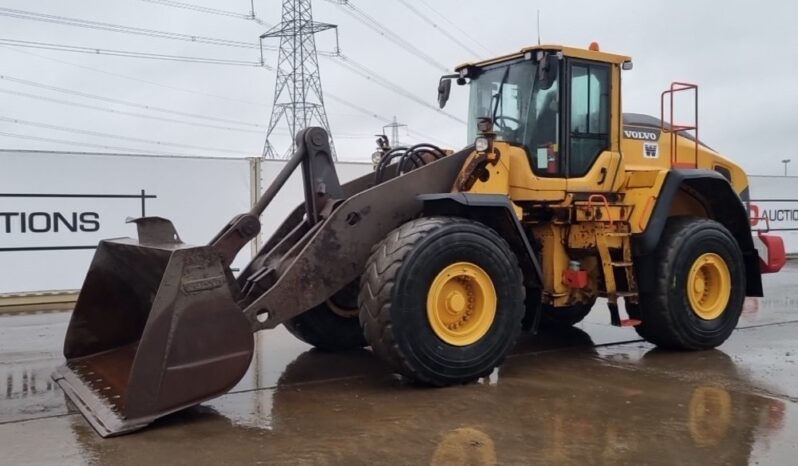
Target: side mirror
pixel 444 89
pixel 547 70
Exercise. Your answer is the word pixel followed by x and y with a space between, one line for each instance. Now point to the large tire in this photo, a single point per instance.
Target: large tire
pixel 332 325
pixel 558 317
pixel 403 274
pixel 671 317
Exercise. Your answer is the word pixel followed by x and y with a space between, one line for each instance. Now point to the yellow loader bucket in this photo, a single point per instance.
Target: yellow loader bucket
pixel 155 329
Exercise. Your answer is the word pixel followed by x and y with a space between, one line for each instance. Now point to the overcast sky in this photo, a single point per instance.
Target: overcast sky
pixel 743 54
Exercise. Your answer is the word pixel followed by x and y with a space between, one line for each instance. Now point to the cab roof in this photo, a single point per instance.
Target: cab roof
pixel 575 52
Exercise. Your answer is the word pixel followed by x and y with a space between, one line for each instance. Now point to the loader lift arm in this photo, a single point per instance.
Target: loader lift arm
pixel 332 242
pixel 321 188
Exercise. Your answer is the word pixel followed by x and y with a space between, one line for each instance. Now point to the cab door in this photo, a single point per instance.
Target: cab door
pixel 592 158
pixel 538 162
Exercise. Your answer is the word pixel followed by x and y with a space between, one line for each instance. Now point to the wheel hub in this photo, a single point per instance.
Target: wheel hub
pixel 461 304
pixel 709 286
pixel 455 303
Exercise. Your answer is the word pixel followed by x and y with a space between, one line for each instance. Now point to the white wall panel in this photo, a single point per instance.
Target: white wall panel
pixel 72 194
pixel 198 194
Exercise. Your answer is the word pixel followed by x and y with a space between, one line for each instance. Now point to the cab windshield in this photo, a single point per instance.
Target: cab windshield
pixel 525 110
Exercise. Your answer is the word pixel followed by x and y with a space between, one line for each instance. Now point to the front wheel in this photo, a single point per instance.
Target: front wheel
pixel 442 300
pixel 700 288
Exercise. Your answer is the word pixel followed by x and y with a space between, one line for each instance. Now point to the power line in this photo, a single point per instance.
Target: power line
pixel 344 61
pixel 85 144
pixel 117 136
pixel 432 23
pixel 353 136
pixel 125 102
pixel 358 69
pixel 86 24
pixel 214 11
pixel 135 79
pixel 445 18
pixel 393 87
pixel 121 112
pixel 423 138
pixel 382 118
pixel 375 25
pixel 154 83
pixel 128 54
pixel 154 118
pixel 340 59
pixel 119 148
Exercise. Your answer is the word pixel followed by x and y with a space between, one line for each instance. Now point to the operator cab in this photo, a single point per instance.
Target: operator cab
pixel 553 102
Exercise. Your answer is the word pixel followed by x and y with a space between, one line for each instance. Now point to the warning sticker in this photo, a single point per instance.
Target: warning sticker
pixel 650 150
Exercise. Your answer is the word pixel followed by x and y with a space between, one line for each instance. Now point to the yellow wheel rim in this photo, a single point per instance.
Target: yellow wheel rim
pixel 709 286
pixel 461 304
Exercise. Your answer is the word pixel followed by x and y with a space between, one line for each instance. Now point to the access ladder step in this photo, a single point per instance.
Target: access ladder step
pixel 615 318
pixel 631 322
pixel 620 294
pixel 622 264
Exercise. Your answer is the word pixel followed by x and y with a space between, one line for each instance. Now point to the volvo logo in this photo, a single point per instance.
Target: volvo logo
pixel 641 134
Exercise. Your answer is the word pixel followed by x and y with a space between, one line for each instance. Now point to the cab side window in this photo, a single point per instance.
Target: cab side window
pixel 542 134
pixel 589 115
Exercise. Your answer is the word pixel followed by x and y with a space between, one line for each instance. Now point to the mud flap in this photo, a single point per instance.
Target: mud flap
pixel 155 329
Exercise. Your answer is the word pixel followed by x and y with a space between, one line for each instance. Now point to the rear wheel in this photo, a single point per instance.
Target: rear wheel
pixel 332 325
pixel 442 300
pixel 700 288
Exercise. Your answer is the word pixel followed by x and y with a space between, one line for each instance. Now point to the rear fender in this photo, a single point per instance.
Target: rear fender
pixel 723 205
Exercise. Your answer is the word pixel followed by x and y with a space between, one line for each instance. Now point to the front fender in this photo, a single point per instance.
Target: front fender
pixel 495 211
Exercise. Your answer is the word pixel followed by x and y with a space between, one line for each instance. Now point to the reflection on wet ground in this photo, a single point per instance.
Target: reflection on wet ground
pixel 589 395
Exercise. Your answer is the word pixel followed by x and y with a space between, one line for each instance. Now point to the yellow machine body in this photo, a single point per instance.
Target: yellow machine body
pixel 592 217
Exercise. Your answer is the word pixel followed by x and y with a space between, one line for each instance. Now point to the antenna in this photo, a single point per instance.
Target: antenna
pixel 538 26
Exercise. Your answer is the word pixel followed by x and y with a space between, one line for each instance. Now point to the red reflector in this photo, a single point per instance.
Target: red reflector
pixel 575 278
pixel 772 256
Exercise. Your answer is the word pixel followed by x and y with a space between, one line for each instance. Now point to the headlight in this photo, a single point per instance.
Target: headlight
pixel 376 156
pixel 481 144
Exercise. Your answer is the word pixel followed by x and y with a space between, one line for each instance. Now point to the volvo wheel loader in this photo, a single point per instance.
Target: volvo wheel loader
pixel 439 258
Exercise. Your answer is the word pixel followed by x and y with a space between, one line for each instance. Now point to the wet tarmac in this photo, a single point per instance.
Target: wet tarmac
pixel 592 395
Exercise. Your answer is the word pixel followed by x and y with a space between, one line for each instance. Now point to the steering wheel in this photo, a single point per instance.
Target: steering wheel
pixel 502 120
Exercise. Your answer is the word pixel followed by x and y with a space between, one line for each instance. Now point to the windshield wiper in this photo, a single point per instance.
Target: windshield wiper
pixel 499 94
